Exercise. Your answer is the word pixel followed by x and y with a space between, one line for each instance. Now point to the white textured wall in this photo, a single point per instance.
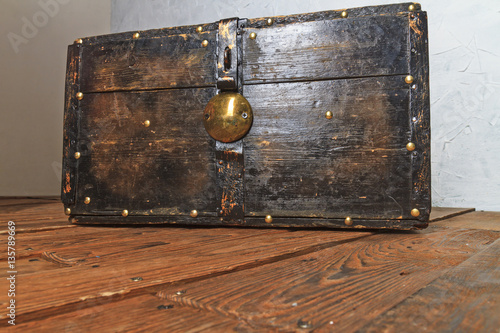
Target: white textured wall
pixel 34 35
pixel 464 39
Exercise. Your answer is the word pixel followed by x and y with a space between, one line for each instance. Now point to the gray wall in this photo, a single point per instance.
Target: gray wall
pixel 34 35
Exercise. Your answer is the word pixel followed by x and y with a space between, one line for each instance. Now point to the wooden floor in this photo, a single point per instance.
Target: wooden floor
pixel 172 279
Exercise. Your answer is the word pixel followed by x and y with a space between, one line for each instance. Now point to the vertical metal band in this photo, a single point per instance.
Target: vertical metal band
pixel 420 115
pixel 229 156
pixel 230 176
pixel 227 57
pixel 70 134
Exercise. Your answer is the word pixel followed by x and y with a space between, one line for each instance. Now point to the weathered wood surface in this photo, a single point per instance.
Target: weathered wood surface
pixel 172 61
pixel 166 168
pixel 349 284
pixel 34 215
pixel 355 164
pixel 14 201
pixel 465 299
pixel 103 267
pixel 295 164
pixel 143 314
pixel 443 213
pixel 390 9
pixel 444 278
pixel 340 48
pixel 474 220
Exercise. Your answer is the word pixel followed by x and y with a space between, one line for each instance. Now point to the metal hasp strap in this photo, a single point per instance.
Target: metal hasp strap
pixel 229 156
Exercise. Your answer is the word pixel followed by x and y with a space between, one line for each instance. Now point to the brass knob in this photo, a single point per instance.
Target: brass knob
pixel 228 117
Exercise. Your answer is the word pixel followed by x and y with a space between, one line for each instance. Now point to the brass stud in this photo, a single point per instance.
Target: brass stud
pixel 194 213
pixel 269 219
pixel 67 211
pixel 253 35
pixel 409 79
pixel 415 212
pixel 204 43
pixel 78 41
pixel 410 146
pixel 79 95
pixel 77 155
pixel 269 21
pixel 411 8
pixel 348 221
pixel 136 35
pixel 199 29
pixel 86 200
pixel 343 14
pixel 328 115
pixel 147 123
pixel 124 213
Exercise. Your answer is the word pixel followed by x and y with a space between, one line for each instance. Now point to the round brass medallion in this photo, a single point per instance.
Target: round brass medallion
pixel 228 117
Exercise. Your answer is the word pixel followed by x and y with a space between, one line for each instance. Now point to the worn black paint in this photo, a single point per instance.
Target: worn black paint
pixel 298 163
pixel 305 170
pixel 70 133
pixel 164 169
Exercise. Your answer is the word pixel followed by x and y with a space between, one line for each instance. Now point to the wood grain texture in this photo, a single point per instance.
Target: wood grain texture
pixel 167 168
pixel 107 273
pixel 16 201
pixel 444 278
pixel 34 217
pixel 336 289
pixel 91 243
pixel 474 220
pixel 139 314
pixel 465 299
pixel 341 48
pixel 171 61
pixel 390 9
pixel 443 213
pixel 354 164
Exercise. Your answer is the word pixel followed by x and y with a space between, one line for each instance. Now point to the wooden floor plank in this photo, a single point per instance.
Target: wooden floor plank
pixel 143 313
pixel 474 220
pixel 441 213
pixel 115 273
pixel 101 241
pixel 337 289
pixel 34 217
pixel 238 279
pixel 465 299
pixel 10 201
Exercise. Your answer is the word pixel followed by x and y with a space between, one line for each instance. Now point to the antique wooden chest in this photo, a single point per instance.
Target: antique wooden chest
pixel 311 120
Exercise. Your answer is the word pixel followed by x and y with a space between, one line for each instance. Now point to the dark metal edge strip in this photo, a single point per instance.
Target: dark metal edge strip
pixel 419 116
pixel 252 222
pixel 70 130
